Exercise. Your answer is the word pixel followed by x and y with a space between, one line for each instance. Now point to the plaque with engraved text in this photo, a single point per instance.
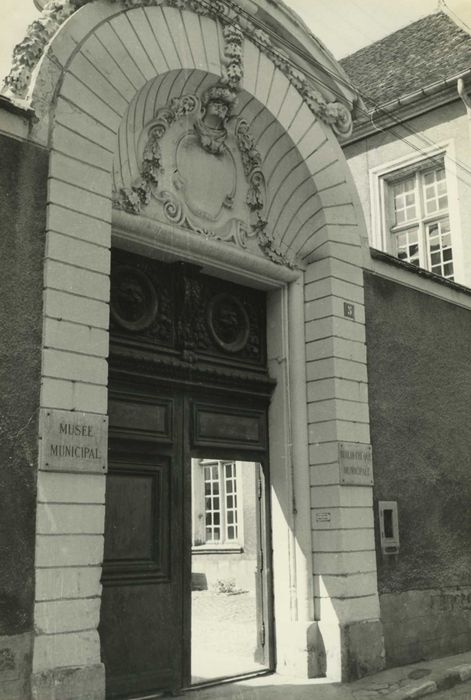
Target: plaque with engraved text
pixel 356 464
pixel 73 441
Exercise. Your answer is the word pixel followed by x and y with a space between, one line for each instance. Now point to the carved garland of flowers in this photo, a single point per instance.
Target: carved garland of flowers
pixel 27 54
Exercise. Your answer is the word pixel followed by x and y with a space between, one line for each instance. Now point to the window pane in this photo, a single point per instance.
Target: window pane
pixel 404 199
pixel 434 187
pixel 439 248
pixel 407 246
pixel 231 501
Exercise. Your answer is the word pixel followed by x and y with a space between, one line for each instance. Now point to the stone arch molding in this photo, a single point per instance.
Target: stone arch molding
pixel 104 54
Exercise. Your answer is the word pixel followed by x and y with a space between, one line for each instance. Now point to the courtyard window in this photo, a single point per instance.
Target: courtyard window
pixel 417 218
pixel 219 518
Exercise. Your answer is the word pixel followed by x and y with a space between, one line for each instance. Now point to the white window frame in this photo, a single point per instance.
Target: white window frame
pixel 381 219
pixel 199 543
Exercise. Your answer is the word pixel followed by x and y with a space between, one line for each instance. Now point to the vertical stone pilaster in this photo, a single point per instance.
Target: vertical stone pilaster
pixel 346 596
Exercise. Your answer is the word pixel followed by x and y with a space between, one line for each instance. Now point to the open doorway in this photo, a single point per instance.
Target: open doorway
pixel 227 586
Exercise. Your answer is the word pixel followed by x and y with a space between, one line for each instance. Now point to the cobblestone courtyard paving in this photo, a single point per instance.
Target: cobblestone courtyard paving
pixel 224 634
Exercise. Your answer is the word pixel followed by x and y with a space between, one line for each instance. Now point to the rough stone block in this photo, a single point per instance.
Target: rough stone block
pixel 69 550
pixel 15 666
pixel 53 519
pixel 61 364
pixel 76 582
pixel 290 106
pixel 336 367
pixel 421 690
pixel 63 335
pixel 53 651
pixel 342 518
pixel 86 72
pixel 121 56
pixel 57 616
pixel 344 540
pixel 338 409
pixel 362 584
pixel 342 496
pixel 363 646
pixel 80 200
pixel 86 683
pixel 75 145
pixel 81 95
pixel 343 563
pixel 338 287
pixel 90 397
pixel 338 269
pixel 278 90
pixel 71 488
pixel 80 226
pixel 67 249
pixel 76 280
pixel 60 305
pixel 341 430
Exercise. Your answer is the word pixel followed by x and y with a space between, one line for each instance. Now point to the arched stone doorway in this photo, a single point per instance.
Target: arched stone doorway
pixel 129 97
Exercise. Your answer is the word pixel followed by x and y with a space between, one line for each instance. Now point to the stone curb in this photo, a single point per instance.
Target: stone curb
pixel 440 681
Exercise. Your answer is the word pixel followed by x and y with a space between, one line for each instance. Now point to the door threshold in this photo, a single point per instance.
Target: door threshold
pixel 226 680
pixel 201 686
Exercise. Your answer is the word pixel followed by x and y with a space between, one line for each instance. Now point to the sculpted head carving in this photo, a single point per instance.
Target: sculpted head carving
pixel 217 107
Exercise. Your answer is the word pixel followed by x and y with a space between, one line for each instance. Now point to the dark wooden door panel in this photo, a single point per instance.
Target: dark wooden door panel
pixel 137 418
pixel 137 532
pixel 143 632
pixel 141 622
pixel 228 426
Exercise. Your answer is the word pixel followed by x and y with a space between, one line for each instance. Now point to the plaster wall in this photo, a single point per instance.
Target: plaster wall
pixel 419 389
pixel 22 232
pixel 448 124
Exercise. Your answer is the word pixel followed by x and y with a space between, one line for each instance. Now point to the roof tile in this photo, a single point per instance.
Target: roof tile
pixel 432 49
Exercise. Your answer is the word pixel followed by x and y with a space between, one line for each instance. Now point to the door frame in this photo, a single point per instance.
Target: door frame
pixel 262 458
pixel 289 514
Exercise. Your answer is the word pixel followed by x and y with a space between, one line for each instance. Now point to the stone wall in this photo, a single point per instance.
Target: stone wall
pixel 419 389
pixel 23 177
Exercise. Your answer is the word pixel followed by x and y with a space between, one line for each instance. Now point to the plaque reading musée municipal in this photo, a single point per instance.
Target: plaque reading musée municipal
pixel 73 441
pixel 356 464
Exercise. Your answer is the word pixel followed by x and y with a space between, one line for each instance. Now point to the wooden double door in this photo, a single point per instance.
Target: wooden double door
pixel 162 416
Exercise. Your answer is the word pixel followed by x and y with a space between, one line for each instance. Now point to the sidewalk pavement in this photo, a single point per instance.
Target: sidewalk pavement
pixel 403 683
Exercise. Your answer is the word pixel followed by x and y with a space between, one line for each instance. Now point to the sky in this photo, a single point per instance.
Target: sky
pixel 344 26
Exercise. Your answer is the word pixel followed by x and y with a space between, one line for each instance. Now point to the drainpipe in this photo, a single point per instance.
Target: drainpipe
pixel 300 452
pixel 464 96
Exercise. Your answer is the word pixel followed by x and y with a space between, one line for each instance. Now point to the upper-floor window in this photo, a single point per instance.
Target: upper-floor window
pixel 417 217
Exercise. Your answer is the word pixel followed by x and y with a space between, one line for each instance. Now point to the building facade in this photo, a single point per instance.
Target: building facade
pixel 188 281
pixel 410 156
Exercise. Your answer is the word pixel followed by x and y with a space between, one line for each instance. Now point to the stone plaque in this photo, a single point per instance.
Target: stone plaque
pixel 356 464
pixel 72 441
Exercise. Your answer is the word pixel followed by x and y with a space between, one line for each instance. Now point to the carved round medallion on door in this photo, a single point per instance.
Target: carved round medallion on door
pixel 134 302
pixel 228 322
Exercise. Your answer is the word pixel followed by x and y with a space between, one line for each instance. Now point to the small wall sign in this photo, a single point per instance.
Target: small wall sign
pixel 73 441
pixel 349 310
pixel 356 464
pixel 323 517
